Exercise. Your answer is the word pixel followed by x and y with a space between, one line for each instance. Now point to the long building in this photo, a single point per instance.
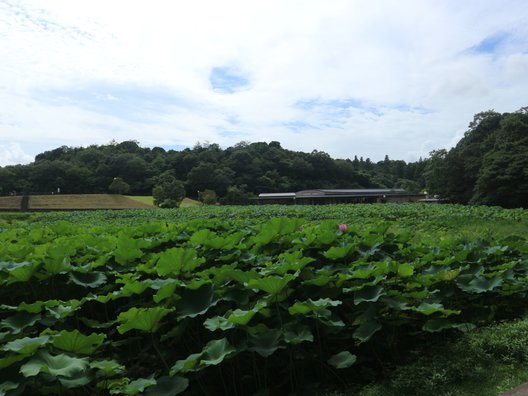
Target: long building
pixel 324 196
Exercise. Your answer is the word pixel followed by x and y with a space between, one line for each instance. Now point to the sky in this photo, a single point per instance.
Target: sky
pixel 348 77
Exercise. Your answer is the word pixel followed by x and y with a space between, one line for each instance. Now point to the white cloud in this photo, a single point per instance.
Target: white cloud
pixel 12 153
pixel 397 78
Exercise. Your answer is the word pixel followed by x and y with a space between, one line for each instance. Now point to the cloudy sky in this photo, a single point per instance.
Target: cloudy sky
pixel 349 77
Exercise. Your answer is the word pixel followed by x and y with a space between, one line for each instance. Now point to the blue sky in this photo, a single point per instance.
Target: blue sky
pixel 349 77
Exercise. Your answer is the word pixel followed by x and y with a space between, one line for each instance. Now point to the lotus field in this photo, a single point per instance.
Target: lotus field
pixel 240 301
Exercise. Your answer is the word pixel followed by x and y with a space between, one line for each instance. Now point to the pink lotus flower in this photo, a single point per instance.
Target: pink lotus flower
pixel 343 227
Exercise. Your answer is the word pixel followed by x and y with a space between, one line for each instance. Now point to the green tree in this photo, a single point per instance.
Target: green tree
pixel 503 176
pixel 118 186
pixel 236 195
pixel 208 197
pixel 168 191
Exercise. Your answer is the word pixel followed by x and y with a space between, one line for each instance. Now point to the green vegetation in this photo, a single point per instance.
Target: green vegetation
pixel 168 192
pixel 485 362
pixel 118 186
pixel 236 300
pixel 488 165
pixel 234 174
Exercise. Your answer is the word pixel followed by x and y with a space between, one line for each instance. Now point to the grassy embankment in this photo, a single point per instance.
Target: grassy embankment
pixel 84 201
pixel 148 199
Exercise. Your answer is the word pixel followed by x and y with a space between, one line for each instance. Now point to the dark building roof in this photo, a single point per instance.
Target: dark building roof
pixel 327 193
pixel 349 192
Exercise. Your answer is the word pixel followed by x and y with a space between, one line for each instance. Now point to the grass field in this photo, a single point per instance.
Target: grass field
pixel 85 201
pixel 148 199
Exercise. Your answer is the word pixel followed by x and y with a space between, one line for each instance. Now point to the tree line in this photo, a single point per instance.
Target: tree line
pixel 245 169
pixel 489 165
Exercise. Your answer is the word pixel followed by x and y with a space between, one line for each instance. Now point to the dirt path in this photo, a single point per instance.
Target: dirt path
pixel 521 390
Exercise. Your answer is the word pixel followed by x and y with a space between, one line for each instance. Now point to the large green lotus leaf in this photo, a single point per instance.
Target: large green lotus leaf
pixel 63 248
pixel 342 360
pixel 20 321
pixel 366 330
pixel 274 228
pixel 77 380
pixel 62 309
pixel 190 363
pixel 291 261
pixel 18 272
pixel 9 360
pixel 428 308
pixel 240 317
pixel 330 320
pixel 238 295
pixel 59 365
pixel 207 238
pixel 295 333
pixel 133 287
pixel 196 302
pixel 165 291
pixel 59 265
pixel 35 307
pixel 90 279
pixel 216 351
pixel 197 283
pixel 394 303
pixel 265 342
pixel 218 323
pixel 481 284
pixel 436 325
pixel 177 260
pixel 405 270
pixel 239 275
pixel 304 307
pixel 127 250
pixel 320 280
pixel 107 367
pixel 168 386
pixel 26 345
pixel 144 319
pixel 76 342
pixel 368 294
pixel 138 386
pixel 338 252
pixel 271 284
pixel 8 386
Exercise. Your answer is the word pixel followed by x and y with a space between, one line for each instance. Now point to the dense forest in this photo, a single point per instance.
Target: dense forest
pixel 489 165
pixel 250 168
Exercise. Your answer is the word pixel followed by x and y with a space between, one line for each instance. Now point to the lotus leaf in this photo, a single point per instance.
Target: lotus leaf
pixel 168 386
pixel 59 365
pixel 144 319
pixel 26 345
pixel 342 360
pixel 216 351
pixel 76 342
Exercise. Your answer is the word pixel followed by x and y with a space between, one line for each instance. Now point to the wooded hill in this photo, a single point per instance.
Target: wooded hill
pixel 248 168
pixel 489 165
